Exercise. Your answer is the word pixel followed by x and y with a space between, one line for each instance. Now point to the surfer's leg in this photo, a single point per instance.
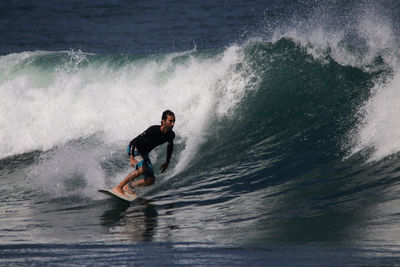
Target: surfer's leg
pixel 136 161
pixel 131 176
pixel 129 188
pixel 148 177
pixel 147 181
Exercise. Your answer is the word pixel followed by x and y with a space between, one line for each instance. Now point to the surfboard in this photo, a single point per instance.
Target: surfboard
pixel 111 193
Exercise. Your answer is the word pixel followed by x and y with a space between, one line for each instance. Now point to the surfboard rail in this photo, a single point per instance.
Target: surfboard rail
pixel 111 193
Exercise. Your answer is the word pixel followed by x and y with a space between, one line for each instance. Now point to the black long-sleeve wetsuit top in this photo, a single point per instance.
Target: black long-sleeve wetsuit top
pixel 152 138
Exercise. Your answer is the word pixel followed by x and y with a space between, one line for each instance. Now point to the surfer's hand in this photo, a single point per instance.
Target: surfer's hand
pixel 164 167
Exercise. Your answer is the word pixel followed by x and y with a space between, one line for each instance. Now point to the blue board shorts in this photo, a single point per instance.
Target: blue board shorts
pixel 142 160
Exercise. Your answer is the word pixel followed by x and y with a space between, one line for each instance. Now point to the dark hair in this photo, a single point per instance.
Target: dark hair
pixel 166 114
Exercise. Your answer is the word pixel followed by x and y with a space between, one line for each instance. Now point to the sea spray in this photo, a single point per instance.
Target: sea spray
pixel 379 129
pixel 109 100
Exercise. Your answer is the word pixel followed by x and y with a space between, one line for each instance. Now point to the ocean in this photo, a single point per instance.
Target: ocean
pixel 287 132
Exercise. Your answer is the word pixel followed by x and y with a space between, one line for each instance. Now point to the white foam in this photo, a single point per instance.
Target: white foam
pixel 69 171
pixel 379 127
pixel 46 108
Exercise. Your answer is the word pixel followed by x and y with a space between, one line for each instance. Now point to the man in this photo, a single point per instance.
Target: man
pixel 139 149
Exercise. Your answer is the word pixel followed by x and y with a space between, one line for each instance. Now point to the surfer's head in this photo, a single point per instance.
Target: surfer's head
pixel 166 114
pixel 167 120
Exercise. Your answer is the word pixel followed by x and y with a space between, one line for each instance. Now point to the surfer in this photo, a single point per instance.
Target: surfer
pixel 139 149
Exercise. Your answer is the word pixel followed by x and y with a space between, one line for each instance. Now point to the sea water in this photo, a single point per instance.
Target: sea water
pixel 286 149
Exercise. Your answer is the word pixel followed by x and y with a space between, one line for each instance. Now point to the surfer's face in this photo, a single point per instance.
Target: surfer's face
pixel 169 123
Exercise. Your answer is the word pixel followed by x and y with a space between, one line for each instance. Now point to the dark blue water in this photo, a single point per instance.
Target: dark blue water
pixel 126 27
pixel 286 121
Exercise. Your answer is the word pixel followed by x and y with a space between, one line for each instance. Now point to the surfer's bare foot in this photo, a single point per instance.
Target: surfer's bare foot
pixel 128 191
pixel 118 190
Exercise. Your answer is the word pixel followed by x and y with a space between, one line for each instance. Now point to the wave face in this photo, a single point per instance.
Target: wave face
pixel 292 138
